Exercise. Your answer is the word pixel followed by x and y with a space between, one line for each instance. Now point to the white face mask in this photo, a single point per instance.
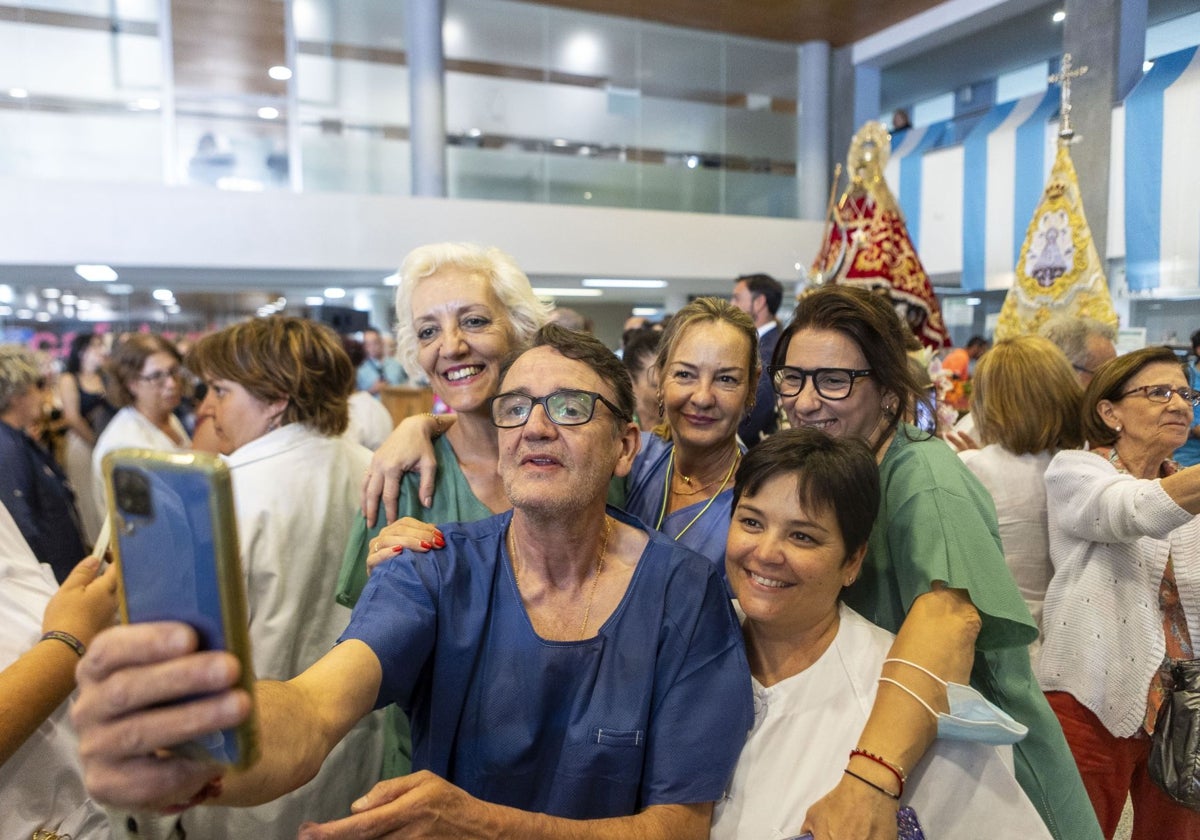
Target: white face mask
pixel 972 717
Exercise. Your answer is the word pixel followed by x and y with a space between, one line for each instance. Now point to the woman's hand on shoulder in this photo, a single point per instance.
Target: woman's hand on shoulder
pixel 409 448
pixel 405 533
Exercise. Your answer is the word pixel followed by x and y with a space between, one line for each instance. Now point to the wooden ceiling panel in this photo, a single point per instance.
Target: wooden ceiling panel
pixel 226 46
pixel 840 22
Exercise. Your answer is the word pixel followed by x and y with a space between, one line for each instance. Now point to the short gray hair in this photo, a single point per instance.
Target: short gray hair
pixel 19 371
pixel 1071 333
pixel 526 313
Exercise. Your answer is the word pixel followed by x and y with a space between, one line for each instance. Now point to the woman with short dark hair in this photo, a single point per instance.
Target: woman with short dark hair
pixel 840 367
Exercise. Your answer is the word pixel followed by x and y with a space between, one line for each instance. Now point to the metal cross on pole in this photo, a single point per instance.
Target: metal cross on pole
pixel 1063 77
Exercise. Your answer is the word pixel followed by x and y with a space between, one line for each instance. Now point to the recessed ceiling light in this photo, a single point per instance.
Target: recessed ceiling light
pixel 68 299
pixel 314 300
pixel 163 295
pixel 546 292
pixel 617 283
pixel 83 304
pixel 18 93
pixel 51 294
pixel 174 309
pixel 280 73
pixel 268 113
pixel 96 273
pixel 645 311
pixel 42 316
pixel 560 142
pixel 1059 16
pixel 5 310
pixel 24 314
pixel 335 293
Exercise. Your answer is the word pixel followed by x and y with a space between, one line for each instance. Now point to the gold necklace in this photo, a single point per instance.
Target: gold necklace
pixel 587 610
pixel 687 479
pixel 662 511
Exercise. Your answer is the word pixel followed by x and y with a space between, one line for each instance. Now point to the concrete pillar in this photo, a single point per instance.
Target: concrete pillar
pixel 1108 37
pixel 813 167
pixel 841 115
pixel 427 124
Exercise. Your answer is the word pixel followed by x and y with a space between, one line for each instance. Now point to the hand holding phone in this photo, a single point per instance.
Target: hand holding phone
pixel 176 551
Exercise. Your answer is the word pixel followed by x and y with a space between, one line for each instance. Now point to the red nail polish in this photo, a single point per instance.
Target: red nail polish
pixel 396 549
pixel 439 541
pixel 426 545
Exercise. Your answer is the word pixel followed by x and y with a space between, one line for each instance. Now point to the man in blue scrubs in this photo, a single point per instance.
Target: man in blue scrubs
pixel 568 672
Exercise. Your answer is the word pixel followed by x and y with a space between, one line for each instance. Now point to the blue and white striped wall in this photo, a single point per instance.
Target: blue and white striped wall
pixel 1162 175
pixel 968 204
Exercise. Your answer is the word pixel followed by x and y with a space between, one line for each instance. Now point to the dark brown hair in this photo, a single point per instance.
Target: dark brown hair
pixel 837 474
pixel 129 357
pixel 867 319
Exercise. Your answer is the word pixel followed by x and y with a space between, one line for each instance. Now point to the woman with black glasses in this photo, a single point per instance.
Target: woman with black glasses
pixel 148 385
pixel 840 367
pixel 1125 597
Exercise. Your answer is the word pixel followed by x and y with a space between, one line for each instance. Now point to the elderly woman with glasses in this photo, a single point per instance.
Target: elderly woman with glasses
pixel 840 367
pixel 147 381
pixel 1125 597
pixel 32 486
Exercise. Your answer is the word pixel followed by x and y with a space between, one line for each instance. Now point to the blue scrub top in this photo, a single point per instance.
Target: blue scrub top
pixel 652 710
pixel 646 488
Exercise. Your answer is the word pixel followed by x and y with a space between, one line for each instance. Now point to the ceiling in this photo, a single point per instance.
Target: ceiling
pixel 840 22
pixel 237 38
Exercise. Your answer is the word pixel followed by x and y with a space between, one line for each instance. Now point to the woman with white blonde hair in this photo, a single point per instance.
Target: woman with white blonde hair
pixel 462 311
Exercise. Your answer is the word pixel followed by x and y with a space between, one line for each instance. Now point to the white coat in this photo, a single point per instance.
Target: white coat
pixel 296 494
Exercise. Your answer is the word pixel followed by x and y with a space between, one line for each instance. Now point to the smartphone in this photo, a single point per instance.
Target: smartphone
pixel 175 546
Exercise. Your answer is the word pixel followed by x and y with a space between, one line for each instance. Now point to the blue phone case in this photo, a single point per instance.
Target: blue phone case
pixel 176 549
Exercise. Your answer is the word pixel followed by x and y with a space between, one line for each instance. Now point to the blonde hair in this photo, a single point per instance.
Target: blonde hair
pixel 705 310
pixel 1025 396
pixel 524 311
pixel 19 372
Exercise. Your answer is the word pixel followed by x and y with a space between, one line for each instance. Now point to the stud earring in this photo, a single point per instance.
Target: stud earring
pixel 1119 428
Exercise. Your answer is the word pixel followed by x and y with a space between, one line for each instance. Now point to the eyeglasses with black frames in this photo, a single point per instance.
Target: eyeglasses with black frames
pixel 831 383
pixel 564 408
pixel 1163 393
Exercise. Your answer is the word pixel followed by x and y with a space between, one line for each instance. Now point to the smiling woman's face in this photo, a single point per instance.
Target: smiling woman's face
pixel 463 336
pixel 786 564
pixel 705 384
pixel 858 415
pixel 1150 428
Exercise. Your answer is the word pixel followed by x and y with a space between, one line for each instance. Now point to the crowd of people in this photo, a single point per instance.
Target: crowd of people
pixel 726 582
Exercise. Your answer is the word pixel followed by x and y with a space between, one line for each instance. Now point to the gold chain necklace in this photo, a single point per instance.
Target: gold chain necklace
pixel 587 610
pixel 687 479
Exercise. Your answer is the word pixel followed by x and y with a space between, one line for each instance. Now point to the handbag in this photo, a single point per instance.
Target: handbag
pixel 1175 745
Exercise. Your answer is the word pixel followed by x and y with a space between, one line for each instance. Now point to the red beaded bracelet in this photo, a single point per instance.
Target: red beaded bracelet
pixel 895 769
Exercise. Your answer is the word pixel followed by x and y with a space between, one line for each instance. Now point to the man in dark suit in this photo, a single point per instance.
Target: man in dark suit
pixel 759 296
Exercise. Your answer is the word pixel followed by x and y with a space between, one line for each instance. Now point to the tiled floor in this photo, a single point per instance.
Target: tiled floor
pixel 1126 824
